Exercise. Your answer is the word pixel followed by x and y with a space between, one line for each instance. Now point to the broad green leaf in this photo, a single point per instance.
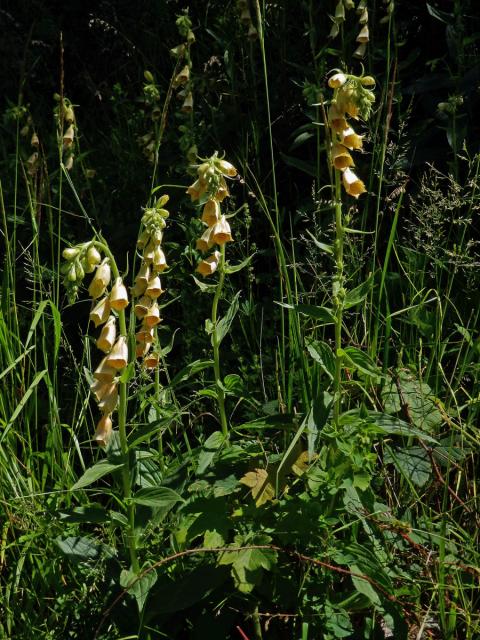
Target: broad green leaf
pixel 359 360
pixel 357 295
pixel 205 288
pixel 190 370
pixel 363 586
pixel 139 586
pixel 224 324
pixel 412 462
pixel 209 449
pixel 78 549
pixel 322 314
pixel 233 268
pixel 96 472
pixel 248 564
pixel 157 497
pixel 261 485
pixel 322 353
pixel 89 513
pixel 395 426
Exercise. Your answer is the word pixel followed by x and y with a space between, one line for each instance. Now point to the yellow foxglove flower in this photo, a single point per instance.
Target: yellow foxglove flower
pixel 360 51
pixel 101 311
pixel 159 260
pixel 334 31
pixel 149 252
pixel 142 348
pixel 109 401
pixel 336 119
pixel 93 256
pixel 227 168
pixel 252 33
pixel 34 141
pixel 154 288
pixel 245 17
pixel 209 265
pixel 351 140
pixel 103 431
pixel 341 159
pixel 222 191
pixel 337 80
pixel 182 77
pixel 211 213
pixel 100 388
pixel 187 105
pixel 205 242
pixel 364 17
pixel 143 275
pixel 151 360
pixel 118 295
pixel 142 307
pixel 118 356
pixel 353 185
pixel 68 136
pixel 363 37
pixel 197 189
pixel 152 317
pixel 100 280
pixel 146 335
pixel 221 232
pixel 104 372
pixel 107 336
pixel 340 11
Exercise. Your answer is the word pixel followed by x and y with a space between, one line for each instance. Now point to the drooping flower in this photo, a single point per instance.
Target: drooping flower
pixel 211 213
pixel 351 140
pixel 100 313
pixel 118 295
pixel 352 184
pixel 341 159
pixel 100 280
pixel 107 336
pixel 118 356
pixel 209 265
pixel 337 80
pixel 221 232
pixel 103 431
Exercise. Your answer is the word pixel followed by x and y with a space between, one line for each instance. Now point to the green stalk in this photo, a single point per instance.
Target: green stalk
pixel 122 430
pixel 338 298
pixel 216 345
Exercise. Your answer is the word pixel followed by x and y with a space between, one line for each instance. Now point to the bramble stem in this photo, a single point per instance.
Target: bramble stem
pixel 216 345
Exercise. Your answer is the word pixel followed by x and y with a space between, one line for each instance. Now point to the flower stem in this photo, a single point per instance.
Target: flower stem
pixel 338 299
pixel 122 431
pixel 216 345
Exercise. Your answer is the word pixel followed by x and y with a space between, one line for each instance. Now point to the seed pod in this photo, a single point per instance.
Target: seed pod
pixel 211 213
pixel 100 313
pixel 107 336
pixel 209 265
pixel 100 280
pixel 352 184
pixel 221 232
pixel 152 316
pixel 104 372
pixel 154 288
pixel 104 431
pixel 118 295
pixel 341 159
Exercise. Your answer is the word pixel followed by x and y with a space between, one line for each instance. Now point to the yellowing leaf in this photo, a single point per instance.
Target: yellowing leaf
pixel 261 485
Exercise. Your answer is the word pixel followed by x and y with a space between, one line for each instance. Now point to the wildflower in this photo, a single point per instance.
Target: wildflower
pixel 142 306
pixel 341 159
pixel 107 336
pixel 222 191
pixel 227 168
pixel 337 119
pixel 68 137
pixel 182 77
pixel 93 255
pixel 221 232
pixel 104 372
pixel 154 287
pixel 205 242
pixel 142 348
pixel 34 140
pixel 337 80
pixel 197 189
pixel 351 140
pixel 159 260
pixel 211 212
pixel 118 356
pixel 151 360
pixel 352 184
pixel 103 431
pixel 146 334
pixel 187 105
pixel 109 401
pixel 209 265
pixel 101 311
pixel 100 280
pixel 152 316
pixel 70 253
pixel 360 50
pixel 118 295
pixel 363 36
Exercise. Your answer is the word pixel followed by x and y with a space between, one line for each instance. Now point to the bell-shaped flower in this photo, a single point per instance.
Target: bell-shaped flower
pixel 100 388
pixel 205 242
pixel 151 360
pixel 149 252
pixel 100 280
pixel 351 140
pixel 211 213
pixel 364 36
pixel 159 260
pixel 352 184
pixel 187 105
pixel 143 275
pixel 227 168
pixel 221 232
pixel 118 356
pixel 336 119
pixel 108 403
pixel 360 51
pixel 152 317
pixel 68 136
pixel 209 265
pixel 197 189
pixel 222 191
pixel 118 295
pixel 101 311
pixel 142 348
pixel 341 159
pixel 104 372
pixel 154 287
pixel 337 80
pixel 146 334
pixel 104 431
pixel 107 336
pixel 182 77
pixel 142 307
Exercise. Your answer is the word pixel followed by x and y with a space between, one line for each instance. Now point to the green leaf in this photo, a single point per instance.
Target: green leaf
pixel 412 462
pixel 238 267
pixel 157 497
pixel 408 393
pixel 93 513
pixel 363 586
pixel 357 295
pixel 205 288
pixel 209 449
pixel 322 354
pixel 96 472
pixel 139 586
pixel 395 426
pixel 224 324
pixel 322 314
pixel 79 549
pixel 247 565
pixel 359 360
pixel 190 370
pixel 321 245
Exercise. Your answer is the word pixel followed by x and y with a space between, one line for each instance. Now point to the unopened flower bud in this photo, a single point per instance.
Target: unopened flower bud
pixel 70 253
pixel 93 255
pixel 100 280
pixel 227 168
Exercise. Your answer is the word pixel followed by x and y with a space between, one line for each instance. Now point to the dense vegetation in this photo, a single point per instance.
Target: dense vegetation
pixel 239 338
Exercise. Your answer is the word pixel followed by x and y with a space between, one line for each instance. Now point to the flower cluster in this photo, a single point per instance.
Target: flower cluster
pixel 148 288
pixel 107 303
pixel 210 189
pixel 65 115
pixel 182 80
pixel 339 17
pixel 352 99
